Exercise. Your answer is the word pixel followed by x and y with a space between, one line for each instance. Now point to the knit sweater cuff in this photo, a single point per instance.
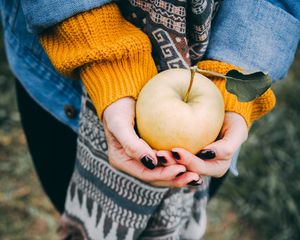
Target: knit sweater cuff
pixel 110 81
pixel 112 56
pixel 250 111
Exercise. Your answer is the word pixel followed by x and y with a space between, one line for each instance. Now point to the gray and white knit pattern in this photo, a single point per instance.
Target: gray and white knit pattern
pixel 105 204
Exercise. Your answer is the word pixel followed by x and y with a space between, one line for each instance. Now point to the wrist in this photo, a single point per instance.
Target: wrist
pixel 238 117
pixel 122 108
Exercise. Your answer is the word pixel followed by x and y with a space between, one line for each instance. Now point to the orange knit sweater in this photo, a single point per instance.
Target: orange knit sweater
pixel 113 59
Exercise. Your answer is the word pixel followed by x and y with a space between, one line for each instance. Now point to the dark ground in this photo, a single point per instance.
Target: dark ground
pixel 263 203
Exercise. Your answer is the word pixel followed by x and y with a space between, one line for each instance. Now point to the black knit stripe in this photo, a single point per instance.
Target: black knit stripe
pixel 106 207
pixel 128 217
pixel 125 186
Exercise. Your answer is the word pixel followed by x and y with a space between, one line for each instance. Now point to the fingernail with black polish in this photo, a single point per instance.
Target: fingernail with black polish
pixel 179 174
pixel 176 155
pixel 161 159
pixel 206 154
pixel 195 183
pixel 148 162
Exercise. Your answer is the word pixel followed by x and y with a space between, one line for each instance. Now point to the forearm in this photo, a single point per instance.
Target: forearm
pixel 110 55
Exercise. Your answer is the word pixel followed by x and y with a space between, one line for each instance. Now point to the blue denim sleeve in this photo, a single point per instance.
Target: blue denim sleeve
pixel 41 14
pixel 290 6
pixel 256 35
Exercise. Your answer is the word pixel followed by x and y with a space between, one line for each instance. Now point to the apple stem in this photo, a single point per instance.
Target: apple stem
pixel 210 72
pixel 193 72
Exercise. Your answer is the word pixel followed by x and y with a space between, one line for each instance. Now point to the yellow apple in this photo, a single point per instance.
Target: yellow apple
pixel 165 120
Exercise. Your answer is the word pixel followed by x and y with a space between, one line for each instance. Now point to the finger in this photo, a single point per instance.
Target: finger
pixel 119 118
pixel 138 170
pixel 165 158
pixel 233 134
pixel 214 168
pixel 134 146
pixel 224 148
pixel 163 173
pixel 185 179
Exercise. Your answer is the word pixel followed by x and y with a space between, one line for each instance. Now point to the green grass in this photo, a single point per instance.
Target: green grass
pixel 262 203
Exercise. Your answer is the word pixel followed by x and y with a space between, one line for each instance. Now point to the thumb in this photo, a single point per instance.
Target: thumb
pixel 136 147
pixel 225 148
pixel 119 119
pixel 234 134
pixel 221 149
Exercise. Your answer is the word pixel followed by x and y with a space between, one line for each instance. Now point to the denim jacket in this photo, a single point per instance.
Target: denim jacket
pixel 253 34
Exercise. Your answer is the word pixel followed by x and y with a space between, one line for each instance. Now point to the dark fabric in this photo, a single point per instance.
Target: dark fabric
pixel 52 146
pixel 215 184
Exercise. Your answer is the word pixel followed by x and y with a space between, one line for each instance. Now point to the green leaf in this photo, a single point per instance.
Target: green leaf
pixel 247 87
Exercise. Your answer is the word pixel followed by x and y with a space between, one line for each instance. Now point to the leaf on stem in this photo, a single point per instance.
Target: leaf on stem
pixel 246 87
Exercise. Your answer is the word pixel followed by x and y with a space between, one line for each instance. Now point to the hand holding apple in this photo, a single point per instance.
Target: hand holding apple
pixel 172 118
pixel 125 149
pixel 233 134
pixel 169 119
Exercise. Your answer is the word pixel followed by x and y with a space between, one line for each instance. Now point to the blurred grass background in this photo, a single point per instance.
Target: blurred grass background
pixel 262 203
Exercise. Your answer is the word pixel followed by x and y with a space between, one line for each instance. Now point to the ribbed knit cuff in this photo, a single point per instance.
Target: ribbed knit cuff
pixel 263 105
pixel 232 104
pixel 250 111
pixel 110 81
